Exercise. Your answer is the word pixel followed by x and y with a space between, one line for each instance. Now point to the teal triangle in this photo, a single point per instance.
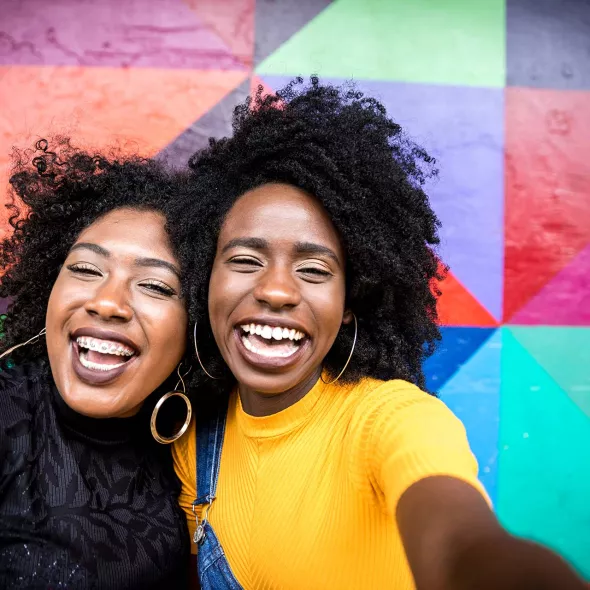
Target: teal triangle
pixel 473 394
pixel 565 354
pixel 457 42
pixel 544 463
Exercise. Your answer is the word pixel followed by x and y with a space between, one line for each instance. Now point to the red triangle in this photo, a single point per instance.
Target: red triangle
pixel 232 21
pixel 458 307
pixel 140 110
pixel 547 187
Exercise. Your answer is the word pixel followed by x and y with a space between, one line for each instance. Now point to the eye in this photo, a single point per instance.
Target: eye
pixel 245 263
pixel 158 287
pixel 314 272
pixel 84 268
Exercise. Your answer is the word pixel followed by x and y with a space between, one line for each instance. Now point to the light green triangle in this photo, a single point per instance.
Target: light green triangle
pixel 565 354
pixel 433 41
pixel 544 463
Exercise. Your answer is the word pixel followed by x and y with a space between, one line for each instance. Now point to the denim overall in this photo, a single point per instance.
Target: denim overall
pixel 213 569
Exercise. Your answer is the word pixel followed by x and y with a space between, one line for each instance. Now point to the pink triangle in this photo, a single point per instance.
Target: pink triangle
pixel 564 301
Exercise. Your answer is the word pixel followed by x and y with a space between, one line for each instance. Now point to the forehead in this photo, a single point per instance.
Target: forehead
pixel 130 231
pixel 280 212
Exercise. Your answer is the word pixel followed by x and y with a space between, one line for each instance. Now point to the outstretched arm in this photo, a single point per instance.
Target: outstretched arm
pixel 454 542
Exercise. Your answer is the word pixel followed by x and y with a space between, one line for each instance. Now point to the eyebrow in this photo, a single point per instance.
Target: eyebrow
pixel 144 262
pixel 158 263
pixel 300 247
pixel 311 248
pixel 92 247
pixel 253 243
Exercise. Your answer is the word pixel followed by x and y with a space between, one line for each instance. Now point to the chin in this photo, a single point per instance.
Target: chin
pixel 269 383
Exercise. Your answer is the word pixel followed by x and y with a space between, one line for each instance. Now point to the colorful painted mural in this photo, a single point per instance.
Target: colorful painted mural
pixel 497 90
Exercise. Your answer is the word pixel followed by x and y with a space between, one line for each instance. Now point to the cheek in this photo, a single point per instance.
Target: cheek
pixel 225 291
pixel 63 300
pixel 328 309
pixel 167 334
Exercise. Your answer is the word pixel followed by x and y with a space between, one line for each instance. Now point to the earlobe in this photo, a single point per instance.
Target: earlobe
pixel 347 316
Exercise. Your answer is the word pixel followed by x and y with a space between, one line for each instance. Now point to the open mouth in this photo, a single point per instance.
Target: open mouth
pixel 100 355
pixel 272 343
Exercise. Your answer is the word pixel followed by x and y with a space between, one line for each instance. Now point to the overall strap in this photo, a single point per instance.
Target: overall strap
pixel 210 427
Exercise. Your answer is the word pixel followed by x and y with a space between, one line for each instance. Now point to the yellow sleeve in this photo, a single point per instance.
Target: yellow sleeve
pixel 184 454
pixel 414 436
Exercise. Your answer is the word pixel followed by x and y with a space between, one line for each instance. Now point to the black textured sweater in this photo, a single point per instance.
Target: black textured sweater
pixel 84 503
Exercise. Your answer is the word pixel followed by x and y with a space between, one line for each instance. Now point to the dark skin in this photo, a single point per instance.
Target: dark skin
pixel 120 276
pixel 279 261
pixel 452 539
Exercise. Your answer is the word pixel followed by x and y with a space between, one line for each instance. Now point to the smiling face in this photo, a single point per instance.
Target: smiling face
pixel 115 320
pixel 276 294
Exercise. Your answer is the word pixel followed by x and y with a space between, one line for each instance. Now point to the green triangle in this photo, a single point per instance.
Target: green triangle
pixel 544 464
pixel 433 41
pixel 565 354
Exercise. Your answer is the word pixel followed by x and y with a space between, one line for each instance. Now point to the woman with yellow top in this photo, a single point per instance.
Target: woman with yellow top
pixel 316 461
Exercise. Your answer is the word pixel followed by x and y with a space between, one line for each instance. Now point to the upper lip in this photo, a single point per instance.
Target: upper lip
pixel 274 322
pixel 105 335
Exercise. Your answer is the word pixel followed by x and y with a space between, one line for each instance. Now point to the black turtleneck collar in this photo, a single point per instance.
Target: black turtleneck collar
pixel 102 431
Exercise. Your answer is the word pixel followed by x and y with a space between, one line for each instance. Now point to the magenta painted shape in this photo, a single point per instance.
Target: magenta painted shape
pixel 565 300
pixel 110 33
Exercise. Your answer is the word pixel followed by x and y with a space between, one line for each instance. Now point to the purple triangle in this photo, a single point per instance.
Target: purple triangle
pixel 463 128
pixel 110 33
pixel 565 300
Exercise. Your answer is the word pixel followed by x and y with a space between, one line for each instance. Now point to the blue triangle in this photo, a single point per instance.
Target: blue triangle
pixel 473 395
pixel 457 346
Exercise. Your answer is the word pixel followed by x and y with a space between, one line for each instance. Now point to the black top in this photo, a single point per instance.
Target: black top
pixel 84 503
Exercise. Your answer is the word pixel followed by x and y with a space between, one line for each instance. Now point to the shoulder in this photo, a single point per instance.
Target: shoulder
pixel 404 435
pixel 396 417
pixel 396 400
pixel 184 453
pixel 22 377
pixel 20 389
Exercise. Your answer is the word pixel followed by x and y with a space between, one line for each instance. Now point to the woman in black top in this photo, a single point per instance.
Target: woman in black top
pixel 88 498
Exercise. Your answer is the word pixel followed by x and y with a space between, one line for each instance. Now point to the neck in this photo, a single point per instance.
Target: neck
pixel 256 403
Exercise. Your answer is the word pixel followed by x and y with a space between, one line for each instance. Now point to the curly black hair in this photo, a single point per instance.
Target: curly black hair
pixel 55 194
pixel 339 146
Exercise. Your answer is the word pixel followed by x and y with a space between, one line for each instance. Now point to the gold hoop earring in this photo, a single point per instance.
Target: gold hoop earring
pixel 29 341
pixel 349 356
pixel 198 357
pixel 166 440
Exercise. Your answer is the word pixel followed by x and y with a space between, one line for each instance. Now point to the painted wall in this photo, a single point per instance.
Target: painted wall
pixel 498 91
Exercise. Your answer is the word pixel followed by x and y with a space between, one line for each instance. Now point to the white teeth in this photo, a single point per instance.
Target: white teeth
pixel 98 366
pixel 104 347
pixel 266 353
pixel 276 333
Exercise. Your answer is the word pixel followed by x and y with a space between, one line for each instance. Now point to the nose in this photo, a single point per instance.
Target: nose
pixel 110 302
pixel 277 289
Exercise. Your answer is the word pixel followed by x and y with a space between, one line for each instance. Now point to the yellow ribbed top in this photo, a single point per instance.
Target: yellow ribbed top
pixel 306 497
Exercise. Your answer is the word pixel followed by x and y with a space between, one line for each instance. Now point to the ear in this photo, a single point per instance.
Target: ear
pixel 347 316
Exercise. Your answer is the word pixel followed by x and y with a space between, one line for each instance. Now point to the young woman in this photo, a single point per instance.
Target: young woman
pixel 320 461
pixel 88 499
